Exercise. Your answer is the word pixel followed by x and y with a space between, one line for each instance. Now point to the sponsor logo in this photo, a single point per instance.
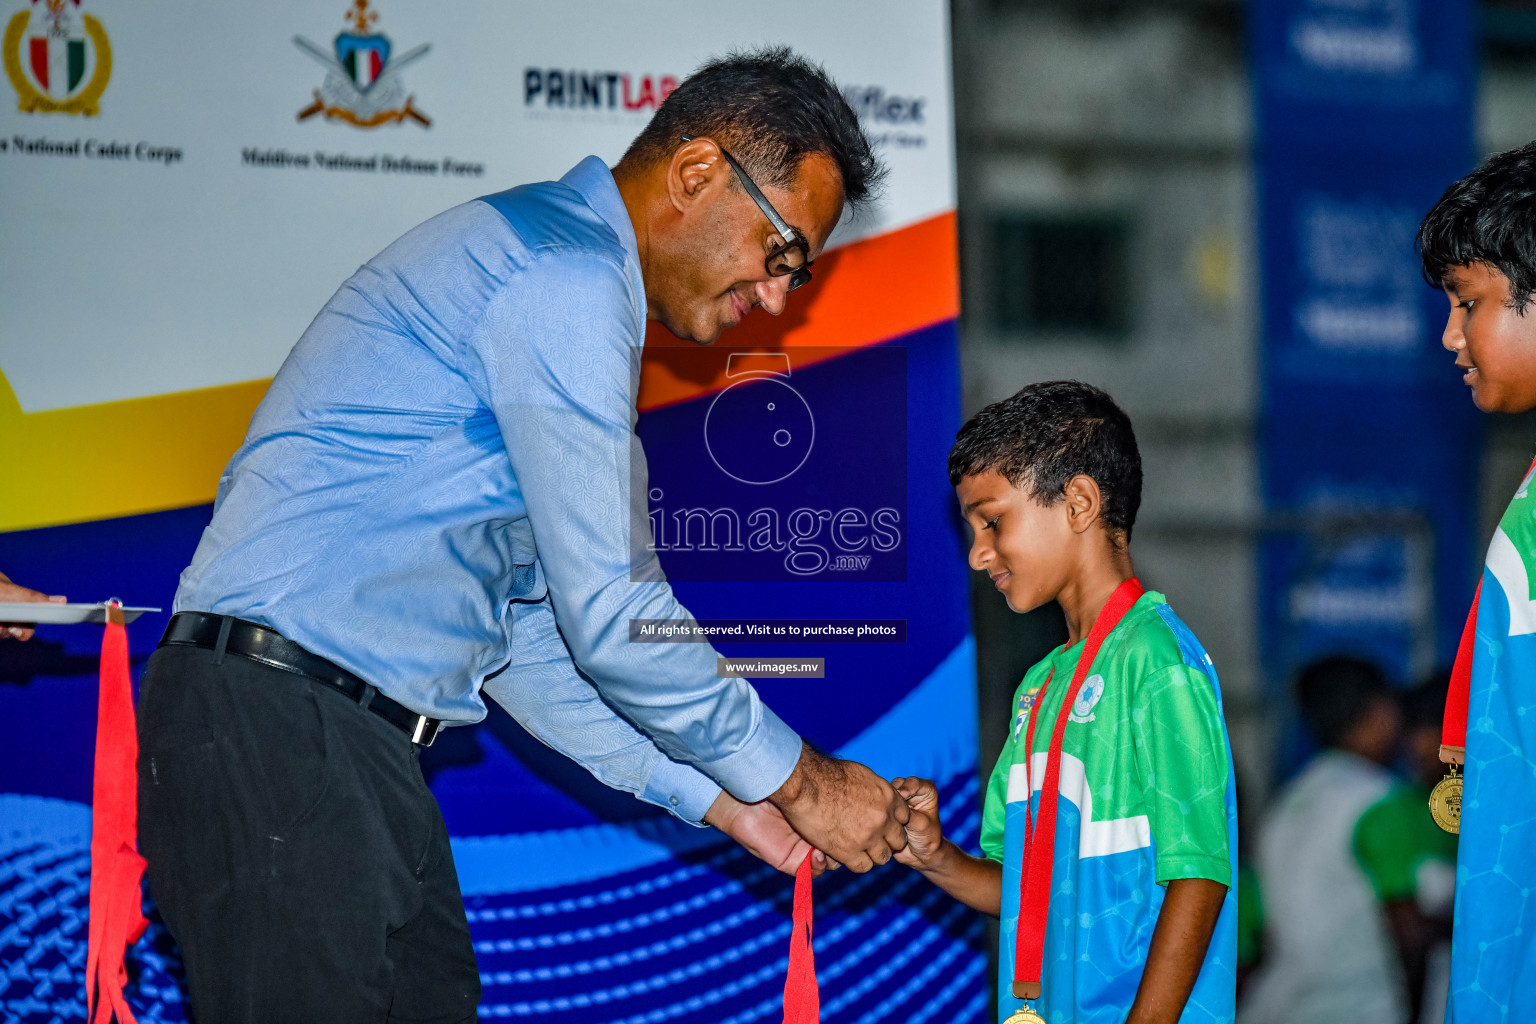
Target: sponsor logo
pixel 57 65
pixel 562 89
pixel 873 103
pixel 362 76
pixel 889 119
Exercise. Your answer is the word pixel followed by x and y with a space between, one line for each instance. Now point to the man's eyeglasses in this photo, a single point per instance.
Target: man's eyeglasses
pixel 791 253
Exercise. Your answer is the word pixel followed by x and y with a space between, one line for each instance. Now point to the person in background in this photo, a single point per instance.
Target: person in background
pixel 1410 861
pixel 13 593
pixel 1329 956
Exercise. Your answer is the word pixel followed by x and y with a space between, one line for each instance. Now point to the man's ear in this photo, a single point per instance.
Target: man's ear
pixel 1084 502
pixel 696 168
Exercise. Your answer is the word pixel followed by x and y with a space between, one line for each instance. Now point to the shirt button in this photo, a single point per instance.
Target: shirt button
pixel 674 801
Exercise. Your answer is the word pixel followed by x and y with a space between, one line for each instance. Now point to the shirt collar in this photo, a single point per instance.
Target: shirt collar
pixel 594 181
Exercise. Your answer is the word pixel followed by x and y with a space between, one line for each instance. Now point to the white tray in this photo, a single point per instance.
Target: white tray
pixel 62 614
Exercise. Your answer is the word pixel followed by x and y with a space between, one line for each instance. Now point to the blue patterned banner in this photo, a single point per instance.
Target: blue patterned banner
pixel 1368 443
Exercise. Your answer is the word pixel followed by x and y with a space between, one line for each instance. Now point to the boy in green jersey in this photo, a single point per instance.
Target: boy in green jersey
pixel 1140 916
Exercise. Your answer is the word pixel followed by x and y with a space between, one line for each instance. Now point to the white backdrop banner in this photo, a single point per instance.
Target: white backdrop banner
pixel 179 230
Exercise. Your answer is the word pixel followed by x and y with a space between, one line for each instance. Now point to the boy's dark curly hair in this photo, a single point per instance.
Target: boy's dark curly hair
pixel 1487 217
pixel 1048 433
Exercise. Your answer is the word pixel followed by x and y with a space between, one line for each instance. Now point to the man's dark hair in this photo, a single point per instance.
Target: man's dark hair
pixel 1334 694
pixel 771 108
pixel 1048 433
pixel 1487 217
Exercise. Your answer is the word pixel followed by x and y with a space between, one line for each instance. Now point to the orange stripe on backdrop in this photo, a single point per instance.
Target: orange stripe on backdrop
pixel 167 451
pixel 871 291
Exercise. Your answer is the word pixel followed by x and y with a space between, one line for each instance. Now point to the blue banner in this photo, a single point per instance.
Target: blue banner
pixel 1368 441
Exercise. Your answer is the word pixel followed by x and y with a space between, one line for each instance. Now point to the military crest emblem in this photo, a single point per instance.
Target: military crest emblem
pixel 362 75
pixel 57 65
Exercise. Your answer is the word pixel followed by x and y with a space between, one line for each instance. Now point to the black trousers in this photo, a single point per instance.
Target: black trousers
pixel 295 852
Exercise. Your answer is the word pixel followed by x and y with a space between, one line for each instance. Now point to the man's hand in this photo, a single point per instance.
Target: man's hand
pixel 925 834
pixel 11 592
pixel 763 831
pixel 843 809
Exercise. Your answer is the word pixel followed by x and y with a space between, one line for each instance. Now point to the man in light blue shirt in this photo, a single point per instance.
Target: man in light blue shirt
pixel 433 503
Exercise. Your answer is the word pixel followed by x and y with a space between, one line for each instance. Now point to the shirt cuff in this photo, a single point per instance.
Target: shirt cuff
pixel 680 789
pixel 762 764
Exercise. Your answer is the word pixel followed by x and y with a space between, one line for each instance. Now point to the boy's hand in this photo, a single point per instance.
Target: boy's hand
pixel 925 833
pixel 975 881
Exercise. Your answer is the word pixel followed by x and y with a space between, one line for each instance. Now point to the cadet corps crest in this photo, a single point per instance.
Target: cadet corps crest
pixel 362 76
pixel 57 65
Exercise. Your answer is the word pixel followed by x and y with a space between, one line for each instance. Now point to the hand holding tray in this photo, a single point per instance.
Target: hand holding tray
pixel 62 614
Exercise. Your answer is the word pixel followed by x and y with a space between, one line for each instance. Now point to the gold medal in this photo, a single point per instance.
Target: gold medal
pixel 1024 1015
pixel 1445 802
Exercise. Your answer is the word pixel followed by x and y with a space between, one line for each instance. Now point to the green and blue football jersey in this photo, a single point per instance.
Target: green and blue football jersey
pixel 1146 796
pixel 1493 948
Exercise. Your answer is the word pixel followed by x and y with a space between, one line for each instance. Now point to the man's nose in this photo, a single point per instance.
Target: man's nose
pixel 773 293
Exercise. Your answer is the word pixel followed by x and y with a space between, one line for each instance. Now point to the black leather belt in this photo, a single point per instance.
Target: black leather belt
pixel 269 647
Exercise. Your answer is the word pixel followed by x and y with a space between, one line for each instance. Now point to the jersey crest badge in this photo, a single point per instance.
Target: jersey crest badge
pixel 1087 697
pixel 1025 703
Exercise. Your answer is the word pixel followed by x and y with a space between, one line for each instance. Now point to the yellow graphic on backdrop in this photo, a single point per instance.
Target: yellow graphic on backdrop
pixel 118 458
pixel 50 78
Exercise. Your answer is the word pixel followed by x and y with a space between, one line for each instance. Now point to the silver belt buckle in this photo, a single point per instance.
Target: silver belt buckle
pixel 425 731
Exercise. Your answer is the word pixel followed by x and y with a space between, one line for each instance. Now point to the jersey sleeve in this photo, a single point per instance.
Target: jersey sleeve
pixel 1387 847
pixel 1181 755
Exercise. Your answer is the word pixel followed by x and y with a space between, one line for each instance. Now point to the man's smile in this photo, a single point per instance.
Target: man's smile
pixel 739 307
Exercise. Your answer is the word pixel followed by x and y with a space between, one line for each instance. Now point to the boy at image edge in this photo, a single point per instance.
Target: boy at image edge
pixel 1141 915
pixel 1478 243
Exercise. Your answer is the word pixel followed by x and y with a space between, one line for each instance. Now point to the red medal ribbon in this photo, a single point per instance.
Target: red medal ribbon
pixel 116 915
pixel 802 1000
pixel 1035 878
pixel 1453 730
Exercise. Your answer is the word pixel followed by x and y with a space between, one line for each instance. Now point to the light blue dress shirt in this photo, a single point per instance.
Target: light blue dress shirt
pixel 434 494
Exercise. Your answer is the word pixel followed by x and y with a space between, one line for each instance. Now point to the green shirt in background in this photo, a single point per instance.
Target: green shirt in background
pixel 1395 837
